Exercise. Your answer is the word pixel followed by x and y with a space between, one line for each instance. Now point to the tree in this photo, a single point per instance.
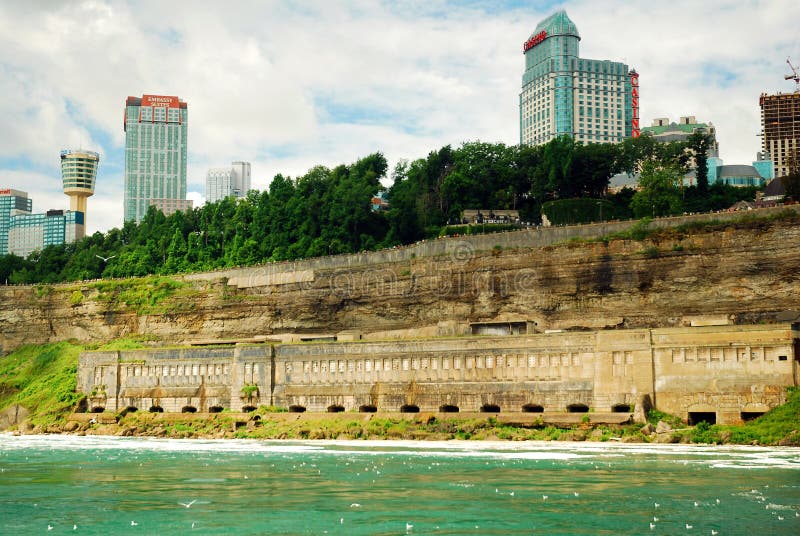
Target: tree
pixel 698 144
pixel 660 193
pixel 791 181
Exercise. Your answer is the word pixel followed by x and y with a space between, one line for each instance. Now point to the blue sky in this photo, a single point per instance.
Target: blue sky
pixel 289 85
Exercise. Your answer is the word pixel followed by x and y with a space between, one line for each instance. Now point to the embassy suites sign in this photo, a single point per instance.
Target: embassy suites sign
pixel 533 41
pixel 159 101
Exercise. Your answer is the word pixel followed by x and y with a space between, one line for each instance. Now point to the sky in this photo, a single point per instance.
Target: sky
pixel 291 85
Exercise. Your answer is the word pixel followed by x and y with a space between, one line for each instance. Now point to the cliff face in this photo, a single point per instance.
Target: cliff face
pixel 736 275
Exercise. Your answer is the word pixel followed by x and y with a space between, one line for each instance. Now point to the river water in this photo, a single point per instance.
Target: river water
pixel 104 485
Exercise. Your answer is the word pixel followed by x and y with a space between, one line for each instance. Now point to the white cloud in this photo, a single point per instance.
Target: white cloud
pixel 287 86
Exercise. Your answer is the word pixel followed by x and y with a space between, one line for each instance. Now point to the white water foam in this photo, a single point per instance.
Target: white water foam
pixel 722 457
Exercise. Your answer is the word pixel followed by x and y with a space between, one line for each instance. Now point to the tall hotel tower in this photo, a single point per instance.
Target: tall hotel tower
pixel 155 154
pixel 593 101
pixel 78 173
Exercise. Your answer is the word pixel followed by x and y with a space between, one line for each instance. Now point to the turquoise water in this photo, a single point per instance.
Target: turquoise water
pixel 102 485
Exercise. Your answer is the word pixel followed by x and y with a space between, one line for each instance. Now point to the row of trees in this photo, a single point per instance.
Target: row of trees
pixel 328 211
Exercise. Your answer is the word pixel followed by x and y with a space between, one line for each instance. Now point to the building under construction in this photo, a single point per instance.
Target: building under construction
pixel 780 126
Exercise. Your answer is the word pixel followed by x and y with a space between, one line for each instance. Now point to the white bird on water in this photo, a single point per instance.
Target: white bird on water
pixel 134 523
pixel 544 497
pixel 74 527
pixel 652 526
pixel 49 527
pixel 189 504
pixel 656 505
pixel 688 526
pixel 714 532
pixel 409 526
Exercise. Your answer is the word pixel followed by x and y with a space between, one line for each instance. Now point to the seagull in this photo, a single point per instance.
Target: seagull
pixel 655 518
pixel 49 527
pixel 695 504
pixel 688 526
pixel 717 501
pixel 134 523
pixel 544 497
pixel 189 504
pixel 74 527
pixel 656 505
pixel 409 526
pixel 652 526
pixel 780 518
pixel 105 259
pixel 355 505
pixel 576 493
pixel 512 493
pixel 714 532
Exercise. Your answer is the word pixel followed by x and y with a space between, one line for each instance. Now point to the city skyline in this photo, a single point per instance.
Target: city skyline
pixel 287 88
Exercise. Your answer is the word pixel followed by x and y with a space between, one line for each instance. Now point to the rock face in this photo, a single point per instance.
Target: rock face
pixel 12 415
pixel 741 276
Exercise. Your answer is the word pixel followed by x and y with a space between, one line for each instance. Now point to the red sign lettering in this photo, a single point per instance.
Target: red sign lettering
pixel 533 41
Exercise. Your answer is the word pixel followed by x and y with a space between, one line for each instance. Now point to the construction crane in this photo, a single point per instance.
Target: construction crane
pixel 794 76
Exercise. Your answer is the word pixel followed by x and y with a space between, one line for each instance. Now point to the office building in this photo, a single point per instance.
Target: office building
pixel 593 101
pixel 33 232
pixel 664 131
pixel 78 174
pixel 12 202
pixel 228 181
pixel 780 130
pixel 169 206
pixel 155 152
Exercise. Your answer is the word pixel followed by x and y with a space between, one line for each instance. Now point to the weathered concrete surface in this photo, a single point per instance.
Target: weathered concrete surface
pixel 441 287
pixel 721 370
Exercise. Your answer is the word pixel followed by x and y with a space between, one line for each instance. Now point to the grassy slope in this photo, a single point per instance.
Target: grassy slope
pixel 41 378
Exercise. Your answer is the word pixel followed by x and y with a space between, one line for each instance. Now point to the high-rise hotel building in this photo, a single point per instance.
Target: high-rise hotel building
pixel 780 130
pixel 155 154
pixel 226 182
pixel 593 101
pixel 12 203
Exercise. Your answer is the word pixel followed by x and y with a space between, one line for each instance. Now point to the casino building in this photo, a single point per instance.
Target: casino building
pixel 155 154
pixel 593 101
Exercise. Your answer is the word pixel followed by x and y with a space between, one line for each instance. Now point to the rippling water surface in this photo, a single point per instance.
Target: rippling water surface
pixel 91 485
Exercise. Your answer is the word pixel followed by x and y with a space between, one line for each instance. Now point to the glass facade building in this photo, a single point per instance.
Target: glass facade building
pixel 155 152
pixel 231 181
pixel 593 101
pixel 33 232
pixel 12 202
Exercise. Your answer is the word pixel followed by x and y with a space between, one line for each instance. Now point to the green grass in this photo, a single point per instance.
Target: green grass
pixel 42 378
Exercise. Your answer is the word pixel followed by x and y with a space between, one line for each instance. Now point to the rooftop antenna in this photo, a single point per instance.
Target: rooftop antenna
pixel 794 76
